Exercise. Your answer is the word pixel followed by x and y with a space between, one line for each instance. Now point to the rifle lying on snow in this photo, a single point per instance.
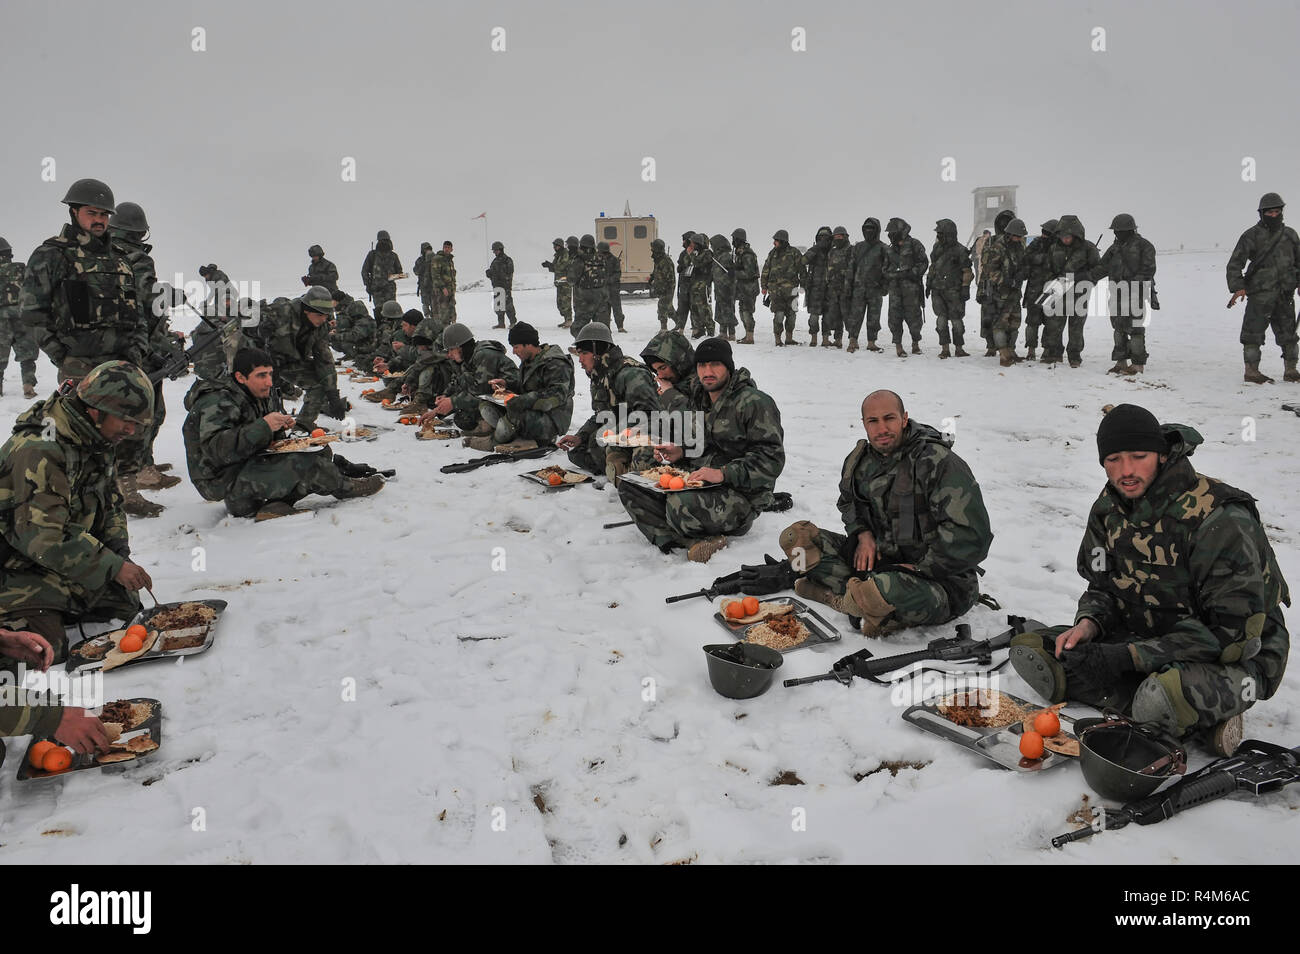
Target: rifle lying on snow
pixel 487 459
pixel 959 648
pixel 771 576
pixel 1257 768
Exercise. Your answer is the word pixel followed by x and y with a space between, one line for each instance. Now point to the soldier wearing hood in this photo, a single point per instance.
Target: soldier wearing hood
pixel 1074 261
pixel 683 286
pixel 905 266
pixel 868 285
pixel 1265 270
pixel 1130 265
pixel 381 261
pixel 839 288
pixel 948 285
pixel 746 276
pixel 699 281
pixel 1038 271
pixel 814 266
pixel 672 359
pixel 988 307
pixel 663 281
pixel 421 271
pixel 724 286
pixel 783 273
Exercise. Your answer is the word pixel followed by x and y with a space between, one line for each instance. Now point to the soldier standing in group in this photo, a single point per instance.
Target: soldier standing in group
pixel 421 271
pixel 814 263
pixel 839 288
pixel 724 286
pixel 662 281
pixel 783 273
pixel 321 271
pixel 905 265
pixel 591 289
pixel 614 276
pixel 868 285
pixel 699 279
pixel 983 252
pixel 381 262
pixel 501 273
pixel 683 285
pixel 14 333
pixel 558 266
pixel 1074 260
pixel 746 278
pixel 442 283
pixel 977 250
pixel 1268 284
pixel 1004 268
pixel 1038 271
pixel 1130 264
pixel 948 287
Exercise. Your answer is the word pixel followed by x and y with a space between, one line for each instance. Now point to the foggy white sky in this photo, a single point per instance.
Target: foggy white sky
pixel 235 153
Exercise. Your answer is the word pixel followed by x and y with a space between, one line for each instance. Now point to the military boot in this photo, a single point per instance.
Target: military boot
pixel 702 551
pixel 1031 354
pixel 872 346
pixel 276 508
pixel 1253 375
pixel 898 349
pixel 991 352
pixel 916 346
pixel 1075 361
pixel 500 322
pixel 1226 736
pixel 789 337
pixel 485 443
pixel 360 487
pixel 1037 665
pixel 1121 367
pixel 1291 374
pixel 149 478
pixel 748 339
pixel 29 390
pixel 853 345
pixel 779 342
pixel 810 590
pixel 1004 357
pixel 481 429
pixel 839 340
pixel 961 352
pixel 944 352
pixel 1133 369
pixel 133 503
pixel 621 329
pixel 863 599
pixel 812 340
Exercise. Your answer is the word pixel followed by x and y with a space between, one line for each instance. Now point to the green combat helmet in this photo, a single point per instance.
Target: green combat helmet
pixel 1016 227
pixel 457 335
pixel 1123 223
pixel 391 310
pixel 129 217
pixel 738 237
pixel 571 241
pixel 118 388
pixel 5 246
pixel 1271 200
pixel 318 299
pixel 594 331
pixel 1051 226
pixel 498 247
pixel 602 246
pixel 781 235
pixel 90 192
pixel 315 250
pixel 1124 760
pixel 587 241
pixel 656 245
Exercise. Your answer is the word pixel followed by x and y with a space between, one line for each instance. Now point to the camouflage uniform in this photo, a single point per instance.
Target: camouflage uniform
pixel 699 264
pixel 381 261
pixel 1001 273
pixel 302 357
pixel 1186 577
pixel 746 277
pixel 1077 261
pixel 1130 264
pixel 63 536
pixel 683 285
pixel 783 273
pixel 354 331
pixel 323 272
pixel 663 282
pixel 14 333
pixel 724 286
pixel 80 295
pixel 614 278
pixel 225 436
pixel 432 373
pixel 590 290
pixel 984 250
pixel 743 438
pixel 442 282
pixel 904 267
pixel 487 360
pixel 949 279
pixel 839 288
pixel 923 506
pixel 558 266
pixel 620 387
pixel 543 408
pixel 673 349
pixel 501 274
pixel 1037 269
pixel 1274 274
pixel 421 272
pixel 814 266
pixel 868 283
pixel 137 452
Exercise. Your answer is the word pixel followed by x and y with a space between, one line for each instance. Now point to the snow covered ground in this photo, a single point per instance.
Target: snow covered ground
pixel 557 710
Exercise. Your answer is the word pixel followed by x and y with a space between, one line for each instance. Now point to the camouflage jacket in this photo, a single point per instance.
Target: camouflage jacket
pixel 430 374
pixel 1037 267
pixel 923 506
pixel 488 360
pixel 613 269
pixel 1079 258
pixel 742 436
pixel 950 269
pixel 547 386
pixel 814 265
pixel 868 269
pixel 724 280
pixel 421 272
pixel 747 273
pixel 80 294
pixel 906 262
pixel 558 266
pixel 324 273
pixel 1002 269
pixel 11 288
pixel 63 535
pixel 619 385
pixel 223 431
pixel 673 348
pixel 152 306
pixel 1279 271
pixel 1186 573
pixel 379 264
pixel 663 280
pixel 839 271
pixel 1128 260
pixel 442 273
pixel 500 271
pixel 783 271
pixel 297 347
pixel 588 271
pixel 699 264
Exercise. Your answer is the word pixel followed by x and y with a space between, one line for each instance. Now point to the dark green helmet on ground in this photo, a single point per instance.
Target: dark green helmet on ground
pixel 1016 227
pixel 118 388
pixel 781 235
pixel 1124 760
pixel 1123 223
pixel 90 192
pixel 738 237
pixel 129 217
pixel 457 335
pixel 316 250
pixel 390 309
pixel 587 241
pixel 318 299
pixel 1271 200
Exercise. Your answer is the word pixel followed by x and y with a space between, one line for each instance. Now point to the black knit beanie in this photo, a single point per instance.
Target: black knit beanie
pixel 1129 428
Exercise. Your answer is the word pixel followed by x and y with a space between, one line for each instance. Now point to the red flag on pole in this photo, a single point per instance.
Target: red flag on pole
pixel 483 216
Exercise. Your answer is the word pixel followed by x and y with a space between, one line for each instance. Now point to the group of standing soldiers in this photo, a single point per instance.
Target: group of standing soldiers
pixel 588 278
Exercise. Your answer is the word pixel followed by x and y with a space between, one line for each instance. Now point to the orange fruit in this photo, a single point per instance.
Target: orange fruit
pixel 751 605
pixel 505 398
pixel 318 432
pixel 736 609
pixel 36 755
pixel 1047 724
pixel 665 480
pixel 627 432
pixel 1031 745
pixel 676 484
pixel 56 759
pixel 136 629
pixel 130 644
pixel 607 434
pixel 555 480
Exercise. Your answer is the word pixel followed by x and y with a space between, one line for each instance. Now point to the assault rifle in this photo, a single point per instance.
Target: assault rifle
pixel 1257 768
pixel 179 364
pixel 770 576
pixel 959 648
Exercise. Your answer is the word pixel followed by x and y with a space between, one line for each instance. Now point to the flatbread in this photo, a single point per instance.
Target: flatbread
pixel 765 611
pixel 1062 743
pixel 141 744
pixel 291 444
pixel 116 657
pixel 114 730
pixel 114 755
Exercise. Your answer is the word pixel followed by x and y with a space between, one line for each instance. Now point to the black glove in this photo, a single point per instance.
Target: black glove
pixel 337 406
pixel 1155 300
pixel 767 301
pixel 1095 669
pixel 773 576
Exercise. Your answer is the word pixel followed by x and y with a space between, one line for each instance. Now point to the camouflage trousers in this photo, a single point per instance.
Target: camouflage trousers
pixel 949 313
pixel 905 309
pixel 564 300
pixel 667 312
pixel 116 603
pixel 616 304
pixel 1266 310
pixel 917 601
pixel 1034 320
pixel 683 302
pixel 838 307
pixel 426 301
pixel 137 452
pixel 534 425
pixel 868 308
pixel 745 305
pixel 814 319
pixel 314 399
pixel 988 310
pixel 613 462
pixel 503 303
pixel 381 294
pixel 1210 693
pixel 1006 322
pixel 783 305
pixel 589 304
pixel 19 337
pixel 444 308
pixel 681 519
pixel 724 304
pixel 287 477
pixel 701 313
pixel 1054 327
pixel 1130 339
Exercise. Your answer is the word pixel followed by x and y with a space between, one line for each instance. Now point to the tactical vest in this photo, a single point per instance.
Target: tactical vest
pixel 592 274
pixel 97 295
pixel 912 524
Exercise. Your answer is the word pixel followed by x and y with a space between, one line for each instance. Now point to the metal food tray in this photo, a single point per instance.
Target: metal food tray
pixel 645 440
pixel 374 431
pixel 492 399
pixel 1001 745
pixel 81 763
pixel 537 478
pixel 820 630
pixel 209 633
pixel 653 486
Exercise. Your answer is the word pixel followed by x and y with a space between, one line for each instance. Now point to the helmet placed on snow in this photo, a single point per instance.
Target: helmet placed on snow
pixel 118 388
pixel 1124 760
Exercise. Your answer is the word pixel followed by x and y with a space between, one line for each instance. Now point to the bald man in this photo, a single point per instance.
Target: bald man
pixel 915 528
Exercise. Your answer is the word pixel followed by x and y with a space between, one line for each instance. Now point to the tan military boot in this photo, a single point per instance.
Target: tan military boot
pixel 789 337
pixel 481 429
pixel 872 346
pixel 149 478
pixel 702 551
pixel 360 487
pixel 916 347
pixel 1031 354
pixel 961 352
pixel 275 508
pixel 485 443
pixel 991 352
pixel 853 346
pixel 863 599
pixel 1226 736
pixel 133 503
pixel 1253 375
pixel 810 590
pixel 29 391
pixel 898 349
pixel 748 339
pixel 1291 374
pixel 826 341
pixel 944 352
pixel 839 340
pixel 779 342
pixel 1133 369
pixel 1121 367
pixel 1004 357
